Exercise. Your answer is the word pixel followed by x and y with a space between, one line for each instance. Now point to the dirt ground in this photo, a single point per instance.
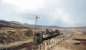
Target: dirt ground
pixel 69 43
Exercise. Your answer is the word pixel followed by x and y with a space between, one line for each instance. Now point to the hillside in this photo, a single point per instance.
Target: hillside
pixel 13 34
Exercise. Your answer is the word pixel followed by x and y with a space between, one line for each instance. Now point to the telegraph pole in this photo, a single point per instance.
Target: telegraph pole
pixel 36 20
pixel 34 28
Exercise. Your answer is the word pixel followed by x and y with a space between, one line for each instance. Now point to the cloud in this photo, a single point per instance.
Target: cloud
pixel 51 12
pixel 23 5
pixel 62 16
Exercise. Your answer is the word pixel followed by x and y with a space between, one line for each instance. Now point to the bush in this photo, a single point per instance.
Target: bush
pixel 29 33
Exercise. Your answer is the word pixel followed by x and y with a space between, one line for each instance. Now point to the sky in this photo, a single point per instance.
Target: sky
pixel 65 13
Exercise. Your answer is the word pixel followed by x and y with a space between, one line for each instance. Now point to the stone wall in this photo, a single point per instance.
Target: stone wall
pixel 50 43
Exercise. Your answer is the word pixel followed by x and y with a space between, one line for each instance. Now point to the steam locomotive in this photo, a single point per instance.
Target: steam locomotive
pixel 48 34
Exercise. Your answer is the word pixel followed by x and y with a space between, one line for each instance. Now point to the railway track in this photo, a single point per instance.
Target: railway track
pixel 48 44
